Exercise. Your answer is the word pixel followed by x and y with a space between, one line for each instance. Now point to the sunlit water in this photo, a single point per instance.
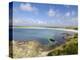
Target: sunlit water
pixel 41 35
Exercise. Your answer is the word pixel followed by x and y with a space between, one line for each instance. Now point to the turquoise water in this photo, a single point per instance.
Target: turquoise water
pixel 41 35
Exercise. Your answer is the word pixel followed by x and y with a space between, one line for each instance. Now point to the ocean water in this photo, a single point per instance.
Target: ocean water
pixel 41 35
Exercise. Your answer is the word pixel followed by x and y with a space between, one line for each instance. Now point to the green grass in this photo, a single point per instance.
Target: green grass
pixel 74 28
pixel 23 27
pixel 69 48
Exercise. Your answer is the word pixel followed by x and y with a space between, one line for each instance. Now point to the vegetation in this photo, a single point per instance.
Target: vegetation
pixel 33 48
pixel 71 27
pixel 74 28
pixel 26 49
pixel 70 47
pixel 22 26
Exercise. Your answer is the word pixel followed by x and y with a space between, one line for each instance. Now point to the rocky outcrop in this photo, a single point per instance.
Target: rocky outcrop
pixel 27 49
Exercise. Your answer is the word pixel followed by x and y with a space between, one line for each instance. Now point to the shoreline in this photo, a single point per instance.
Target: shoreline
pixel 62 29
pixel 34 49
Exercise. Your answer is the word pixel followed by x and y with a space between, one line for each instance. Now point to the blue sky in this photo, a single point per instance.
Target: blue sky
pixel 34 14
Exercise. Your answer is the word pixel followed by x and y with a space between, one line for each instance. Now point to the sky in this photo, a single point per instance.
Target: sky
pixel 39 14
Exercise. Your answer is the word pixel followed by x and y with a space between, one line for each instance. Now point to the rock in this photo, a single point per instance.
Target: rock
pixel 30 48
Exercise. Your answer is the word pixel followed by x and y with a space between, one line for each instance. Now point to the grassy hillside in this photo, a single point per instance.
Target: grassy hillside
pixel 74 28
pixel 34 49
pixel 69 48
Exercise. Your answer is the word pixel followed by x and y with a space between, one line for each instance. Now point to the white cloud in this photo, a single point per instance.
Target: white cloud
pixel 67 14
pixel 51 12
pixel 30 21
pixel 73 13
pixel 40 22
pixel 28 7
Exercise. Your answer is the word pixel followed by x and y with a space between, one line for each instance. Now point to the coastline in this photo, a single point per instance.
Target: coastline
pixel 34 48
pixel 62 29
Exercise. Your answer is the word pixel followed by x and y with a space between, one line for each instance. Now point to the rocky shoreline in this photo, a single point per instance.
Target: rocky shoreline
pixel 30 48
pixel 33 48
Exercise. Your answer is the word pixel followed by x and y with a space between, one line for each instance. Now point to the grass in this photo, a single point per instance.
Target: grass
pixel 23 27
pixel 69 48
pixel 33 48
pixel 74 28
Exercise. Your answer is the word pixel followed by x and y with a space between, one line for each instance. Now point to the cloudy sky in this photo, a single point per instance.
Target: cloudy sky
pixel 34 14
